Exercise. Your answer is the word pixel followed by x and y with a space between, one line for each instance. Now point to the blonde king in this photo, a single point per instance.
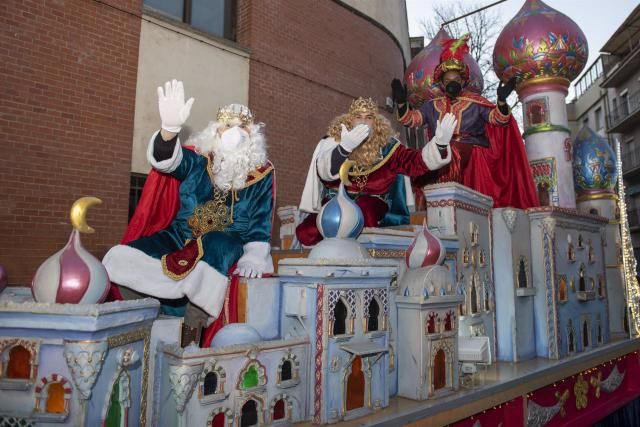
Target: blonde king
pixel 370 151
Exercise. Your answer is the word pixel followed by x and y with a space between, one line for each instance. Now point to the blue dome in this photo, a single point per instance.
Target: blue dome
pixel 340 217
pixel 234 334
pixel 594 163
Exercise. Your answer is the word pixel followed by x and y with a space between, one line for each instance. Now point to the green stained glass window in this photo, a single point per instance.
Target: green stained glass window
pixel 250 378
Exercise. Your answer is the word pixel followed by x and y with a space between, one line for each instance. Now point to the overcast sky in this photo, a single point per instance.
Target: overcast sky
pixel 597 18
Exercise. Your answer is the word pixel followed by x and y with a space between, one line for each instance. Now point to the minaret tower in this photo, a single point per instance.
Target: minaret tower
pixel 544 49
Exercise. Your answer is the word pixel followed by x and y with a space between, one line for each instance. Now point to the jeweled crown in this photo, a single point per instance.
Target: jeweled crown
pixel 232 112
pixel 363 105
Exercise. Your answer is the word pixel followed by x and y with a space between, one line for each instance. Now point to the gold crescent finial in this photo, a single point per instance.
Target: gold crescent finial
pixel 344 172
pixel 78 213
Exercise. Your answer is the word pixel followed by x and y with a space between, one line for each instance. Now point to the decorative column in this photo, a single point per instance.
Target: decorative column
pixel 183 379
pixel 84 360
pixel 544 50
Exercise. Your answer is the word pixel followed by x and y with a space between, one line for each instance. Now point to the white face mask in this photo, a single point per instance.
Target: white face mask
pixel 232 138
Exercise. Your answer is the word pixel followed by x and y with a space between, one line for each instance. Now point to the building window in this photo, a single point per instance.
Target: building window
pixel 585 122
pixel 250 378
pixel 624 104
pixel 474 299
pixel 598 118
pixel 210 383
pixel 522 273
pixel 19 366
pixel 340 318
pixel 585 335
pixel 374 312
pixel 135 191
pixel 216 17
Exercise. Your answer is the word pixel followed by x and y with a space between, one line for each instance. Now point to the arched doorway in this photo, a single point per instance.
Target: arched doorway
pixel 210 383
pixel 439 370
pixel 19 366
pixel 249 415
pixel 220 420
pixel 355 385
pixel 55 398
pixel 374 312
pixel 279 410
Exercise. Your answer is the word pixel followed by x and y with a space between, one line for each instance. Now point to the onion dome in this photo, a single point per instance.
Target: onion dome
pixel 235 334
pixel 594 165
pixel 540 42
pixel 340 218
pixel 72 275
pixel 419 75
pixel 425 250
pixel 428 283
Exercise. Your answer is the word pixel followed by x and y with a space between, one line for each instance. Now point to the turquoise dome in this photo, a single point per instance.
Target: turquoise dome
pixel 594 164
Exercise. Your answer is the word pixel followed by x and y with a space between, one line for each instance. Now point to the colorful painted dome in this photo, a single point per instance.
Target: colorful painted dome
pixel 594 164
pixel 540 42
pixel 419 74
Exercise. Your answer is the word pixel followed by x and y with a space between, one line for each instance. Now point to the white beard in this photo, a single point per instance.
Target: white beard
pixel 231 167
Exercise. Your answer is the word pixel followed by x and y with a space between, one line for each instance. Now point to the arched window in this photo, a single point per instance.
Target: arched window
pixel 522 274
pixel 210 383
pixel 339 318
pixel 571 344
pixel 220 420
pixel 585 335
pixel 285 374
pixel 431 323
pixel 582 282
pixel 474 299
pixel 562 289
pixel 594 211
pixel 374 312
pixel 250 378
pixel 249 416
pixel 279 410
pixel 448 321
pixel 19 366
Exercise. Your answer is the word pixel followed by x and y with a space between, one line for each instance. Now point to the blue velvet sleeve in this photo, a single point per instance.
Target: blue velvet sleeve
pixel 253 212
pixel 190 159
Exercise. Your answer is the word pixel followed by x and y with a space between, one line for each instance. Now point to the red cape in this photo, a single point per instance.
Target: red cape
pixel 501 171
pixel 158 206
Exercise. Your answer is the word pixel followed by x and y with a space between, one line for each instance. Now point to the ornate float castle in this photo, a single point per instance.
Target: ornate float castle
pixel 368 314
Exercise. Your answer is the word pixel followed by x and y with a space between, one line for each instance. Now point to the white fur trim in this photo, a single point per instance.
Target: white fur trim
pixel 204 286
pixel 431 155
pixel 320 167
pixel 257 258
pixel 168 165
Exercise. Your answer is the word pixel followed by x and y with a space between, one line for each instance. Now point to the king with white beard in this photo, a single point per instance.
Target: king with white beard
pixel 225 208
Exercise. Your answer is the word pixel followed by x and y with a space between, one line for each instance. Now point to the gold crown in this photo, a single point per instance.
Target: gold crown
pixel 232 112
pixel 363 105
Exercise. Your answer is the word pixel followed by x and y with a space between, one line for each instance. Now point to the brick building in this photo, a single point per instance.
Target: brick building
pixel 79 101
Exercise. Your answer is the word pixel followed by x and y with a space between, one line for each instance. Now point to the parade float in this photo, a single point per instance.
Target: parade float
pixel 479 317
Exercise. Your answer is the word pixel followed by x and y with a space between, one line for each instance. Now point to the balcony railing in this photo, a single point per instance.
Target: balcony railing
pixel 624 110
pixel 630 159
pixel 588 78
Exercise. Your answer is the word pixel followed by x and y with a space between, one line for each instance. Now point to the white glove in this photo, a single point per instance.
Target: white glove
pixel 173 110
pixel 256 260
pixel 351 139
pixel 445 129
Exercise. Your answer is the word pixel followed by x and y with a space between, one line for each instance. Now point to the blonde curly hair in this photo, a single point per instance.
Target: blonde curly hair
pixel 370 151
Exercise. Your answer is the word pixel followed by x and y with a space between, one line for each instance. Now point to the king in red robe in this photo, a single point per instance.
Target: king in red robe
pixel 488 153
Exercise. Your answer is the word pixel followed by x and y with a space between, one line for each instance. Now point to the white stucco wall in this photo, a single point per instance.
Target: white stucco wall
pixel 392 14
pixel 214 72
